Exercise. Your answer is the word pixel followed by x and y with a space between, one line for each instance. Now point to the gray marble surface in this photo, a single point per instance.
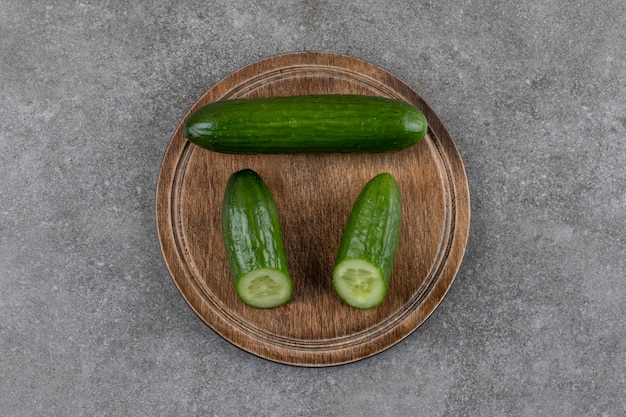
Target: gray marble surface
pixel 534 94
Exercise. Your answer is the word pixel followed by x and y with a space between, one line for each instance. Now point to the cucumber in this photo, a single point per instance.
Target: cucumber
pixel 306 124
pixel 369 244
pixel 254 242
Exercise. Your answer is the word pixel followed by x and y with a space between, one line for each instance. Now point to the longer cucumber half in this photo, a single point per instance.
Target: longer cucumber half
pixel 332 123
pixel 254 243
pixel 369 244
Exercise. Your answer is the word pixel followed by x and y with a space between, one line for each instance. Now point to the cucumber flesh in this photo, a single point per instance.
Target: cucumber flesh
pixel 359 283
pixel 264 288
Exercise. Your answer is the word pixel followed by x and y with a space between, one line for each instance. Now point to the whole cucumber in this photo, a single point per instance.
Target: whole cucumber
pixel 333 123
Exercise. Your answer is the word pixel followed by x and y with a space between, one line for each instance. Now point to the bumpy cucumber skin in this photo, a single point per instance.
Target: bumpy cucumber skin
pixel 334 123
pixel 251 227
pixel 372 232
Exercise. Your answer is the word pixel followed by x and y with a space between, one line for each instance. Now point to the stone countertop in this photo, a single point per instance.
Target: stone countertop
pixel 534 94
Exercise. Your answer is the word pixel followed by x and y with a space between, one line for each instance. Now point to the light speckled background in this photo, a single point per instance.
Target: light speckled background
pixel 534 93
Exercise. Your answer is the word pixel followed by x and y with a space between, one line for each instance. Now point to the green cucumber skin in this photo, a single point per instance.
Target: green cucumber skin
pixel 372 232
pixel 250 226
pixel 332 123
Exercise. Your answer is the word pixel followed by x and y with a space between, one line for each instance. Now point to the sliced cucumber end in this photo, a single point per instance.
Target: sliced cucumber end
pixel 359 283
pixel 264 288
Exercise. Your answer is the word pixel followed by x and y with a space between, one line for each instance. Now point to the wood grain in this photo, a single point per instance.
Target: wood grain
pixel 314 194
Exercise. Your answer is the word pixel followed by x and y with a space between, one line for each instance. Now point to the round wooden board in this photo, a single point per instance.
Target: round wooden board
pixel 314 194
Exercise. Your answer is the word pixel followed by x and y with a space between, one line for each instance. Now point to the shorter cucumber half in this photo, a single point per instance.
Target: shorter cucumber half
pixel 368 247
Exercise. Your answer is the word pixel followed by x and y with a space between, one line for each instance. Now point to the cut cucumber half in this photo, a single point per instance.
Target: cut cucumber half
pixel 359 283
pixel 369 243
pixel 254 243
pixel 264 288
